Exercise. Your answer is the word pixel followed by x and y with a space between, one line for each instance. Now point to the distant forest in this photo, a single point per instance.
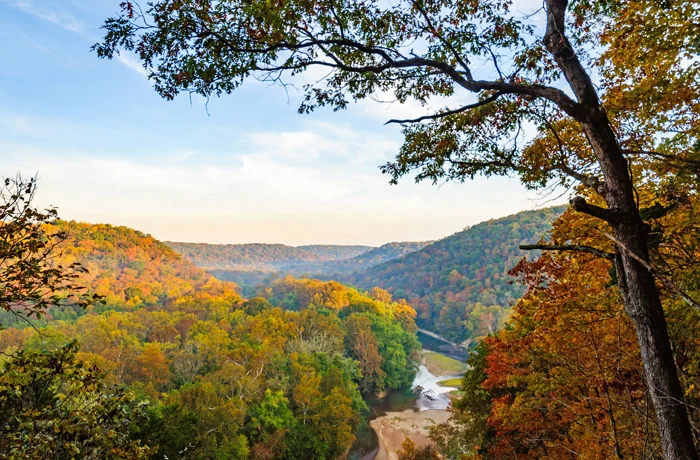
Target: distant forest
pixel 459 284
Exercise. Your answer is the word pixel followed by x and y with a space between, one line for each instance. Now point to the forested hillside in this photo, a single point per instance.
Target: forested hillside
pixel 249 265
pixel 460 285
pixel 384 253
pixel 254 256
pixel 129 269
pixel 277 376
pixel 335 252
pixel 267 258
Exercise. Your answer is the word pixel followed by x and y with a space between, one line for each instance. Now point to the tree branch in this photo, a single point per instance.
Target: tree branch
pixel 554 95
pixel 670 285
pixel 556 43
pixel 580 205
pixel 662 155
pixel 568 247
pixel 486 101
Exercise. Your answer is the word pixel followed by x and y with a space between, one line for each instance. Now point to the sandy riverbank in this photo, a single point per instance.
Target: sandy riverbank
pixel 393 428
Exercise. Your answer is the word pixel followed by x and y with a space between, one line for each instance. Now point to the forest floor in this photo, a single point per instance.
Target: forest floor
pixel 394 427
pixel 440 365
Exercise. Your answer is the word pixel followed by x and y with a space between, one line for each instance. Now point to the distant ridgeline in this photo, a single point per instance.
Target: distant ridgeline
pixel 281 375
pixel 251 264
pixel 459 285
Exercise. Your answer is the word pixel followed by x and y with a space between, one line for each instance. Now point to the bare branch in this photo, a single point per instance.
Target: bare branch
pixel 662 155
pixel 670 285
pixel 447 113
pixel 580 205
pixel 568 247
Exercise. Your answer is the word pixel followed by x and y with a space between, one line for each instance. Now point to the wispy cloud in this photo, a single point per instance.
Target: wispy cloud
pixel 257 196
pixel 70 23
pixel 55 17
pixel 326 141
pixel 131 63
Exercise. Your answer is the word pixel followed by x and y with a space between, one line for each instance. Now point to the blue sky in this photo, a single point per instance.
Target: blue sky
pixel 108 149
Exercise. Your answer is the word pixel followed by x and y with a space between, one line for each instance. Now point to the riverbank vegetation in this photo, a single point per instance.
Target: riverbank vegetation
pixel 453 383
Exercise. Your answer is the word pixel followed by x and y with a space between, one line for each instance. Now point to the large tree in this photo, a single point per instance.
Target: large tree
pixel 571 94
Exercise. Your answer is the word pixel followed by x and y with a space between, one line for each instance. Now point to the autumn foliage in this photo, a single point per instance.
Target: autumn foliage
pixel 281 375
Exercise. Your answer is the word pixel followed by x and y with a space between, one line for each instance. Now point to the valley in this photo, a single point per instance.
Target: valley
pixel 312 348
pixel 459 285
pixel 334 148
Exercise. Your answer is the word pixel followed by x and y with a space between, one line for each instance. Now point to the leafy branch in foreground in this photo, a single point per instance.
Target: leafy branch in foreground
pixel 31 279
pixel 53 402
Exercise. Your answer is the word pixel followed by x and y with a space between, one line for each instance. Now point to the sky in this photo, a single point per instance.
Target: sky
pixel 246 168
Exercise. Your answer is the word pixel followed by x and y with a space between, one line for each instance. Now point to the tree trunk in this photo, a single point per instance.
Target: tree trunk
pixel 641 298
pixel 643 305
pixel 640 295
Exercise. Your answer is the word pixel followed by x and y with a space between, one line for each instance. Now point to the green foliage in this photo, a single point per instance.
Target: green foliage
pixel 225 377
pixel 473 407
pixel 273 413
pixel 455 382
pixel 439 364
pixel 53 402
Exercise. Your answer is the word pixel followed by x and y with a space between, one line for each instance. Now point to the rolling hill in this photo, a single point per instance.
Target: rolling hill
pixel 130 269
pixel 251 262
pixel 335 252
pixel 460 284
pixel 263 257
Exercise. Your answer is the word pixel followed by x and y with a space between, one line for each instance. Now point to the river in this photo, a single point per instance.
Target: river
pixel 367 444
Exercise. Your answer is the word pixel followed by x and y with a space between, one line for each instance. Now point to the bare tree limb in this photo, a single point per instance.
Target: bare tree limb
pixel 580 205
pixel 668 284
pixel 447 113
pixel 568 247
pixel 662 155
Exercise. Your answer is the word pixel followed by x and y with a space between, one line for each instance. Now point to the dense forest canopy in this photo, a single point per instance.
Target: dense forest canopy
pixel 277 376
pixel 460 285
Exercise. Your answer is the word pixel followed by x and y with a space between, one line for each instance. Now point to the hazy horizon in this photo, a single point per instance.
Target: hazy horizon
pixel 246 169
